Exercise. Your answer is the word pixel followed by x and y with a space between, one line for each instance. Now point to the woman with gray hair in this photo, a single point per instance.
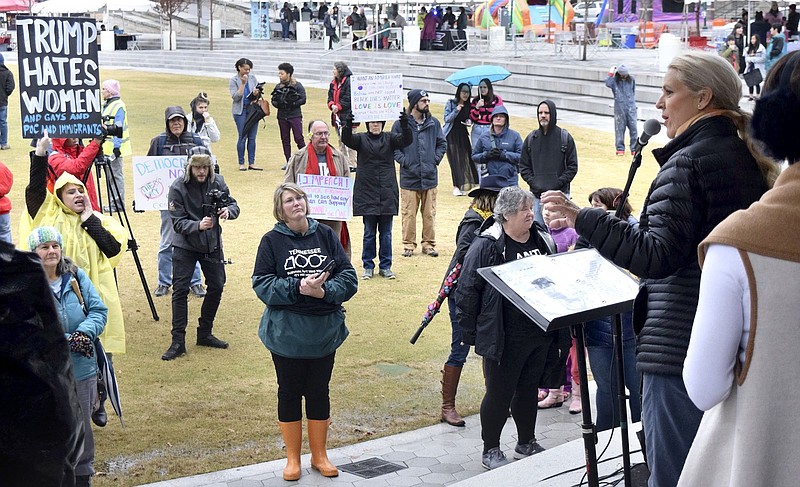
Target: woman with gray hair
pixel 707 171
pixel 515 350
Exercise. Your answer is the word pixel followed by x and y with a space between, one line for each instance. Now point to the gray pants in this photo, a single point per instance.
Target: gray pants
pixel 116 171
pixel 87 396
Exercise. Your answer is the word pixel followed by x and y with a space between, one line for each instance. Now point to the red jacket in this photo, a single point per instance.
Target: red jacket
pixel 6 181
pixel 76 160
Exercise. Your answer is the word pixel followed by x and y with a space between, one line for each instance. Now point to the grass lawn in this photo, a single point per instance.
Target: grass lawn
pixel 216 409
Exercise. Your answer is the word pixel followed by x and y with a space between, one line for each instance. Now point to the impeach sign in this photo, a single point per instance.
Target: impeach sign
pixel 376 97
pixel 329 197
pixel 152 176
pixel 59 77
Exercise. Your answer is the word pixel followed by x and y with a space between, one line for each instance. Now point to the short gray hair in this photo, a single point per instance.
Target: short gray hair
pixel 509 201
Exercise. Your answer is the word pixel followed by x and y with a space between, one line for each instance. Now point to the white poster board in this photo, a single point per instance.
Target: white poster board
pixel 152 176
pixel 376 97
pixel 329 197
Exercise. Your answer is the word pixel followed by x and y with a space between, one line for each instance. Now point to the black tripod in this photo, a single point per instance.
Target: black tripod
pixel 102 168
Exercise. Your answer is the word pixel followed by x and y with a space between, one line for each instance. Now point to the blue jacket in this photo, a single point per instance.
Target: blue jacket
pixel 294 325
pixel 73 318
pixel 510 144
pixel 624 92
pixel 419 160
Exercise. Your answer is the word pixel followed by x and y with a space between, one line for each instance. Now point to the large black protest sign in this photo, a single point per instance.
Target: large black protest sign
pixel 58 76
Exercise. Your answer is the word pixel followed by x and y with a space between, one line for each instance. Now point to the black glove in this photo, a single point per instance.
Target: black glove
pixel 117 153
pixel 103 132
pixel 403 119
pixel 494 154
pixel 348 120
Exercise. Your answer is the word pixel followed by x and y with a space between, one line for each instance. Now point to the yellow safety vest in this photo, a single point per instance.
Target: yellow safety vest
pixel 110 110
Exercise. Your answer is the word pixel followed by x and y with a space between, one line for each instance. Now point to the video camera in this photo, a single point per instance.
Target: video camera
pixel 111 129
pixel 219 200
pixel 260 87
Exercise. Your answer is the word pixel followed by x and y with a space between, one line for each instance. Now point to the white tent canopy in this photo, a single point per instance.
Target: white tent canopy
pixel 90 6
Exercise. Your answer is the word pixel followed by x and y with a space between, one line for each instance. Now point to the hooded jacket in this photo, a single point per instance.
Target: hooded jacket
pixel 96 245
pixel 419 160
pixel 76 160
pixel 706 173
pixel 189 202
pixel 375 191
pixel 6 85
pixel 167 144
pixel 549 161
pixel 480 305
pixel 207 130
pixel 507 141
pixel 6 181
pixel 294 325
pixel 339 96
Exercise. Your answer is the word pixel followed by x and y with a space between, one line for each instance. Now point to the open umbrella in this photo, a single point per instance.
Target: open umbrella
pixel 433 309
pixel 109 378
pixel 474 74
pixel 254 112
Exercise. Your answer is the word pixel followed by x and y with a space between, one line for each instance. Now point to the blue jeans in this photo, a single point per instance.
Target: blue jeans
pixel 165 254
pixel 624 118
pixel 284 29
pixel 4 125
pixel 374 224
pixel 600 343
pixel 670 422
pixel 248 139
pixel 5 228
pixel 458 352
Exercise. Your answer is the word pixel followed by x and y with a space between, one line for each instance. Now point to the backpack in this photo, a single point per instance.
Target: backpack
pixel 349 20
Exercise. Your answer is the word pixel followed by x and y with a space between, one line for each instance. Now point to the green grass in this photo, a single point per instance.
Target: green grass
pixel 216 409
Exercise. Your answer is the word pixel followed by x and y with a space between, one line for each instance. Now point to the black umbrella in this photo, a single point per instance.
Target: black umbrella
pixel 109 378
pixel 254 112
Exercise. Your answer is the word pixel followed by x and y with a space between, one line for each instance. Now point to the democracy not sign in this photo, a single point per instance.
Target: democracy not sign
pixel 329 197
pixel 58 77
pixel 376 97
pixel 152 177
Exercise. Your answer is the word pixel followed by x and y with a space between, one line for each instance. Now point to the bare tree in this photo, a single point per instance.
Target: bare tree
pixel 168 10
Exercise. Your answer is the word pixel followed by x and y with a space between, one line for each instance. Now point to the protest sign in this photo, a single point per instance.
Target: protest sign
pixel 376 97
pixel 329 197
pixel 152 176
pixel 58 77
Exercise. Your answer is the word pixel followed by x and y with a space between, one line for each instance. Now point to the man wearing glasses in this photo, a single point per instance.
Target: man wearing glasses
pixel 319 157
pixel 419 173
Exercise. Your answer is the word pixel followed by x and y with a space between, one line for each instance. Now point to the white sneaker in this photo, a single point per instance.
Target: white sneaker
pixel 457 192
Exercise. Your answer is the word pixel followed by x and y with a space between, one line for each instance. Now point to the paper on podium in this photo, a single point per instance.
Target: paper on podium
pixel 564 289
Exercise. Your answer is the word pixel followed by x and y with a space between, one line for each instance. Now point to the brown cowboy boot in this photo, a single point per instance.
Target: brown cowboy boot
pixel 450 377
pixel 293 439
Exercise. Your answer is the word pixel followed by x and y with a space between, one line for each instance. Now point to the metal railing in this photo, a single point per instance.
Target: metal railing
pixel 373 37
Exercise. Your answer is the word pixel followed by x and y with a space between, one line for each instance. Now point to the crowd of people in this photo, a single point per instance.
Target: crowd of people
pixel 716 165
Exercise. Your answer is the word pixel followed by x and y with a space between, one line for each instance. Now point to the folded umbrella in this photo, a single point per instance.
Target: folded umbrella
pixel 433 309
pixel 109 378
pixel 254 112
pixel 474 74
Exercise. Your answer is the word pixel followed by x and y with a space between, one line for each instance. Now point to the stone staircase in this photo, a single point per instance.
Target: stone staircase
pixel 537 75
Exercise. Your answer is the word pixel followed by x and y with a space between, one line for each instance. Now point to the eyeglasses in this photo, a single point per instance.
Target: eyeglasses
pixel 321 134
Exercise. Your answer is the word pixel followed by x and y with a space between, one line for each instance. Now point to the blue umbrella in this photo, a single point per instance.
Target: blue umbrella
pixel 474 74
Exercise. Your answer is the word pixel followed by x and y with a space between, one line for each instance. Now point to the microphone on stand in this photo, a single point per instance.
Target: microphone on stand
pixel 651 128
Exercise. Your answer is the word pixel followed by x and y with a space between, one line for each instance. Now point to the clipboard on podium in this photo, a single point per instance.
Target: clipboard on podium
pixel 556 291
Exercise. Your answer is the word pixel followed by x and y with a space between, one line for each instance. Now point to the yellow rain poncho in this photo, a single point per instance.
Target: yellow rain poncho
pixel 82 249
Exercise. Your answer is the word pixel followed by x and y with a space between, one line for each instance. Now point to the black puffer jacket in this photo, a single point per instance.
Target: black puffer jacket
pixel 375 191
pixel 706 174
pixel 480 306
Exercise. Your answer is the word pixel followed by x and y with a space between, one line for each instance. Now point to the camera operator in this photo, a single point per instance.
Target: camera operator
pixel 176 140
pixel 197 204
pixel 115 113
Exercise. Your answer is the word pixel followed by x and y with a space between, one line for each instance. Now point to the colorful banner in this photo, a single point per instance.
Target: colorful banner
pixel 329 197
pixel 376 97
pixel 152 176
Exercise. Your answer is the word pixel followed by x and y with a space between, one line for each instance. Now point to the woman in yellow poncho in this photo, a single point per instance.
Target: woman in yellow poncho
pixel 92 240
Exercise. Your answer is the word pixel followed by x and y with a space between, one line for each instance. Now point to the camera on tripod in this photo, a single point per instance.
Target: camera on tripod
pixel 110 128
pixel 219 200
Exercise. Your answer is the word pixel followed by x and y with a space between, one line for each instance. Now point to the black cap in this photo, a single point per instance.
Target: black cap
pixel 492 183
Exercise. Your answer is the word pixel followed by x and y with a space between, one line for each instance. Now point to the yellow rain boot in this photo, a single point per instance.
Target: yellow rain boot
pixel 293 438
pixel 317 439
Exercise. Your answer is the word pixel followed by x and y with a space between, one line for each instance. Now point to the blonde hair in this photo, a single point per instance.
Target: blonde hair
pixel 699 70
pixel 277 198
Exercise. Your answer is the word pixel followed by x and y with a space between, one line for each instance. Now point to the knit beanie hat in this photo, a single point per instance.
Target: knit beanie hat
pixel 415 96
pixel 42 235
pixel 622 70
pixel 112 86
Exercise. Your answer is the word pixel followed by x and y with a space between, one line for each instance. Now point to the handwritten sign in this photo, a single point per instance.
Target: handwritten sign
pixel 376 97
pixel 329 197
pixel 59 77
pixel 152 176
